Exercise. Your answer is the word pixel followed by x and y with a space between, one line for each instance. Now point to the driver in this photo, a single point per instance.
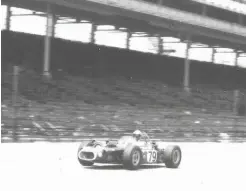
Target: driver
pixel 137 134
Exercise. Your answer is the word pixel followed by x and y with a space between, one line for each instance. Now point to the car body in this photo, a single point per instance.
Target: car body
pixel 130 152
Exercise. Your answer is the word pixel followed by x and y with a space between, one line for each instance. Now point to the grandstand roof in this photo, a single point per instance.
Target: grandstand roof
pixel 135 22
pixel 230 5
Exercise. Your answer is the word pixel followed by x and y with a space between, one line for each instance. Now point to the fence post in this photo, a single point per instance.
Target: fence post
pixel 14 101
pixel 236 97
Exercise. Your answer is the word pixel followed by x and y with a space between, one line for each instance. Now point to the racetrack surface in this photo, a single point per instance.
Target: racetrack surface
pixel 54 166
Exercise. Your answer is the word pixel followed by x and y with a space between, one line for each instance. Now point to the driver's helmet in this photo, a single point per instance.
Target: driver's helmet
pixel 137 134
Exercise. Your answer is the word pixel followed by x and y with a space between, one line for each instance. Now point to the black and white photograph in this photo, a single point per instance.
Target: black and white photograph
pixel 121 95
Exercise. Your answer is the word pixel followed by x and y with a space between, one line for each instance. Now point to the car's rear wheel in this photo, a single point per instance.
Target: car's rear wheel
pixel 132 157
pixel 172 156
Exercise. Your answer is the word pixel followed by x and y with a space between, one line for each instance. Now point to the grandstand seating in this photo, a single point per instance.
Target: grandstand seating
pixel 82 105
pixel 109 106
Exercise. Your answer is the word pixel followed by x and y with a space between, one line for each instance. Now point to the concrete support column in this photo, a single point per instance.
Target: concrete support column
pixel 160 2
pixel 236 92
pixel 8 17
pixel 187 67
pixel 213 55
pixel 47 42
pixel 204 10
pixel 15 101
pixel 54 25
pixel 128 39
pixel 235 100
pixel 93 31
pixel 240 19
pixel 160 45
pixel 236 59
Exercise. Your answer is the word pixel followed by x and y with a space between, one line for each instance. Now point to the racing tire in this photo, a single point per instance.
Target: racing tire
pixel 132 157
pixel 172 156
pixel 83 162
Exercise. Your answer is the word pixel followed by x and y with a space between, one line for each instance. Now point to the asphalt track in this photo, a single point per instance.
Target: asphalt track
pixel 54 166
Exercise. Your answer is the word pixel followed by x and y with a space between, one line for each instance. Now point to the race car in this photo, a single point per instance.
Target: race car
pixel 132 151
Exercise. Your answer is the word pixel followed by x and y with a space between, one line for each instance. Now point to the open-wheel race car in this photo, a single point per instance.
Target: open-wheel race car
pixel 131 151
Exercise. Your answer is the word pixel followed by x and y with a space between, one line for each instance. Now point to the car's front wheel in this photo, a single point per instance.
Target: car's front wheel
pixel 172 156
pixel 85 163
pixel 132 157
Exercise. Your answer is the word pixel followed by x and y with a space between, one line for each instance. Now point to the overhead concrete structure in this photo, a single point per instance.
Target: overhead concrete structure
pixel 138 16
pixel 142 16
pixel 229 5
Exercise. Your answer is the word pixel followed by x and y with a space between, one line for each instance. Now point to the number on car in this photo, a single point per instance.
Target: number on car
pixel 151 156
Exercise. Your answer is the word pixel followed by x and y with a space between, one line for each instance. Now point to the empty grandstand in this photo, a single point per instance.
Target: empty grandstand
pixel 100 91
